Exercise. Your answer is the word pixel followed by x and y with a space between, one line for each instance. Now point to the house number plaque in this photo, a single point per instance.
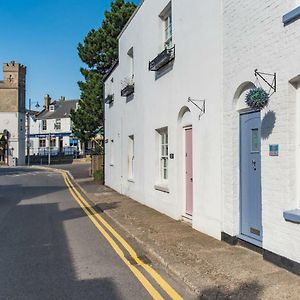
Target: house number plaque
pixel 274 150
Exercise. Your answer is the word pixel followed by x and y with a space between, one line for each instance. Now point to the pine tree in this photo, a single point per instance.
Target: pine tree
pixel 98 51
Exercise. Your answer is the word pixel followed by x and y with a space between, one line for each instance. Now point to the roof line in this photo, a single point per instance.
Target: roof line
pixel 110 70
pixel 129 20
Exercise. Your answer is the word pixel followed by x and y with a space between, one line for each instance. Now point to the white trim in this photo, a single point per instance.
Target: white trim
pixel 162 188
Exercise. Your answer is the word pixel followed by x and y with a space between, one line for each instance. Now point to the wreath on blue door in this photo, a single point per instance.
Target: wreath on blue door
pixel 257 98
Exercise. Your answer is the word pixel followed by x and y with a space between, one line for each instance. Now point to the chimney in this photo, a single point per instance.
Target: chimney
pixel 62 98
pixel 47 101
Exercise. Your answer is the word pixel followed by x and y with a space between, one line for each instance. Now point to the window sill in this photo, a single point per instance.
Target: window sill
pixel 162 188
pixel 292 216
pixel 130 180
pixel 291 16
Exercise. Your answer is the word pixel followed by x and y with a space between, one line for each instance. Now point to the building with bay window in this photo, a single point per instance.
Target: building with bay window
pixel 179 135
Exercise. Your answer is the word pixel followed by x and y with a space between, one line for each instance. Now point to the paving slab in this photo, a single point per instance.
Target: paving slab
pixel 211 268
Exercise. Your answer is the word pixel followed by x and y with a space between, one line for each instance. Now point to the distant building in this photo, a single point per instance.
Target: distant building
pixel 52 128
pixel 12 114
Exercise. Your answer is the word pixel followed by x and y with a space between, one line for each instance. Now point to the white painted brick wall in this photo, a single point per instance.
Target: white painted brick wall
pixel 254 37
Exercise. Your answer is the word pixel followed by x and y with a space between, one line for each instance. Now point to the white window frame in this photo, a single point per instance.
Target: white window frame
pixel 130 157
pixel 40 142
pixel 166 17
pixel 51 107
pixel 57 125
pixel 130 54
pixel 163 155
pixel 111 153
pixel 44 125
pixel 52 142
pixel 168 31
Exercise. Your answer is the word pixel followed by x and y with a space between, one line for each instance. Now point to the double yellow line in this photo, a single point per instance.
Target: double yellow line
pixel 104 228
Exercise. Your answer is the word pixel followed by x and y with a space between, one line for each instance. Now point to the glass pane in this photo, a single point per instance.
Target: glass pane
pixel 165 174
pixel 165 163
pixel 254 140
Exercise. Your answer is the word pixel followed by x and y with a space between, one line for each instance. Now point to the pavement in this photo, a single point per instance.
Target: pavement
pixel 50 249
pixel 210 268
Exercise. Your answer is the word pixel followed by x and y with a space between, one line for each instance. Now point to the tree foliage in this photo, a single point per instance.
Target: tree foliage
pixel 98 51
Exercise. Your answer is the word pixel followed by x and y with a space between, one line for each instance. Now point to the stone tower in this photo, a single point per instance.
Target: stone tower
pixel 12 111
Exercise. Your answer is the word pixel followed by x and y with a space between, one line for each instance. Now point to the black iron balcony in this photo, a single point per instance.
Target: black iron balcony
pixel 127 87
pixel 109 99
pixel 162 59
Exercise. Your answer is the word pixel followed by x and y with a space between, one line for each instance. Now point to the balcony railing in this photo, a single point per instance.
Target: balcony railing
pixel 127 87
pixel 162 59
pixel 109 99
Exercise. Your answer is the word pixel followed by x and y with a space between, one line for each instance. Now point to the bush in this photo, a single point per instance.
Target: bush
pixel 98 176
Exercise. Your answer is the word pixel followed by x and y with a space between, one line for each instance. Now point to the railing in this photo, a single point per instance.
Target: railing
pixel 127 87
pixel 109 99
pixel 162 59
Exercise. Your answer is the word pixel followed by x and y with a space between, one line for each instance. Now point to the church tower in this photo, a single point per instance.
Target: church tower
pixel 12 112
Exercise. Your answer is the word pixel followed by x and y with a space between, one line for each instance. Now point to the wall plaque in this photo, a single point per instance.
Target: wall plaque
pixel 274 150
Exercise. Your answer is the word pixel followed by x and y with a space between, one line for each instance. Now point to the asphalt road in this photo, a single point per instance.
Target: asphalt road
pixel 50 249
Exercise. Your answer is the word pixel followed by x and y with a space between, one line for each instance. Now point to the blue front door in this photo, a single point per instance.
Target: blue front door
pixel 250 178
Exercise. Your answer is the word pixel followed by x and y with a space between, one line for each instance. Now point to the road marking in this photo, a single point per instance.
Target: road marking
pixel 163 284
pixel 144 281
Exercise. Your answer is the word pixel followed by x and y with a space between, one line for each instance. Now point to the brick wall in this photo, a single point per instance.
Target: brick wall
pixel 255 37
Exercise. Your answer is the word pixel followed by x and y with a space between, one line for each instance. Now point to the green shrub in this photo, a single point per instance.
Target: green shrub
pixel 98 176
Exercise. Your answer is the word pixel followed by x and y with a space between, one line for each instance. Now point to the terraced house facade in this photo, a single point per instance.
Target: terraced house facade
pixel 179 135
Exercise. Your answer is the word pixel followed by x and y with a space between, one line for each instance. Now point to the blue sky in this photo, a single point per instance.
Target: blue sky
pixel 43 35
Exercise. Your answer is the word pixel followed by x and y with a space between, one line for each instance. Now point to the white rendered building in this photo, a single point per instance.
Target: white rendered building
pixel 179 136
pixel 149 131
pixel 52 128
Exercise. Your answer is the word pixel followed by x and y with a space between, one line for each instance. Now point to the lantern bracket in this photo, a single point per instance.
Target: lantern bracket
pixel 201 107
pixel 272 84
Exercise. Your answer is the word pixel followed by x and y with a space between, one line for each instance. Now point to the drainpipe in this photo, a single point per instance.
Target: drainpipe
pixel 103 91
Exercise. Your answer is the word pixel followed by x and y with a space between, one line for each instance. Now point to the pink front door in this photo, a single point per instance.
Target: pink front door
pixel 189 170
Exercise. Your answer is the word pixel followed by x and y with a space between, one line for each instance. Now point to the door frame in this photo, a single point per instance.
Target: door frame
pixel 240 235
pixel 185 128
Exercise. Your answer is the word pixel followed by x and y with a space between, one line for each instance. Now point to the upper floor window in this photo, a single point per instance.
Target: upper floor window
pixel 131 62
pixel 166 16
pixel 44 124
pixel 51 107
pixel 57 124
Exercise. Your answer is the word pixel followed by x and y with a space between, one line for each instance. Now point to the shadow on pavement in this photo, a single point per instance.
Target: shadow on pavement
pixel 247 291
pixel 4 171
